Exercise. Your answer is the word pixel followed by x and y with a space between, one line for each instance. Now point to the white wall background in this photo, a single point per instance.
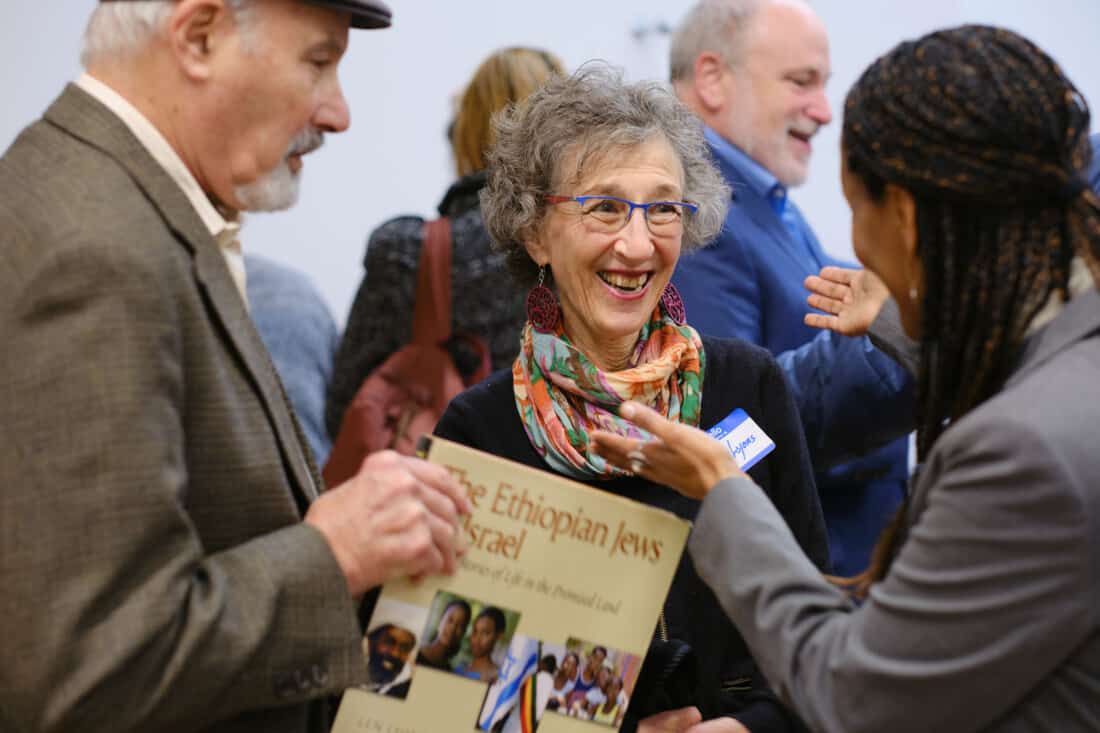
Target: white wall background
pixel 400 82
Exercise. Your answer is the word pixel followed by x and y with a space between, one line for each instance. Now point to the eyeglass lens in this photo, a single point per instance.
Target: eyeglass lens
pixel 611 214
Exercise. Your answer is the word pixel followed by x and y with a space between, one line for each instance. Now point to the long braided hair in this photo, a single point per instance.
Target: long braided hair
pixel 991 139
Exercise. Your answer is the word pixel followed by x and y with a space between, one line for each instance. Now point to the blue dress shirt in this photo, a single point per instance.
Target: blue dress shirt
pixel 853 400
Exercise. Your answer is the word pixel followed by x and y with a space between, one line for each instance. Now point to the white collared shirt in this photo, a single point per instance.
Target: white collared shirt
pixel 225 232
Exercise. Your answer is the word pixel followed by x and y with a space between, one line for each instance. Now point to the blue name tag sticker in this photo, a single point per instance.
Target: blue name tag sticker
pixel 744 439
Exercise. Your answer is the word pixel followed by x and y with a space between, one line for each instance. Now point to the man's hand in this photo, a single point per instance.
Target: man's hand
pixel 852 298
pixel 399 516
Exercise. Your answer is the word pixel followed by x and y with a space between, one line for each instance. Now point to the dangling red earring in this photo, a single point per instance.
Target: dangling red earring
pixel 674 305
pixel 542 306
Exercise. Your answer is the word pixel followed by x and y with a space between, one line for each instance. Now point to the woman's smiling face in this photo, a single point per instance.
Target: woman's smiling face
pixel 609 283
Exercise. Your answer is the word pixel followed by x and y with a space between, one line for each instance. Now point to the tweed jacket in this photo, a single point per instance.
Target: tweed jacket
pixel 989 619
pixel 156 574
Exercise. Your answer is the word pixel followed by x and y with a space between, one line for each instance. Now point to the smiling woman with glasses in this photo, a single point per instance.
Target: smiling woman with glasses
pixel 595 188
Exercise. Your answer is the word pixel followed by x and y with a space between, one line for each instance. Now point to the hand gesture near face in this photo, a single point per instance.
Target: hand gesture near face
pixel 850 298
pixel 679 456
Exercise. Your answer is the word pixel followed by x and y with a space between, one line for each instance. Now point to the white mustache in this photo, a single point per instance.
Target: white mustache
pixel 306 142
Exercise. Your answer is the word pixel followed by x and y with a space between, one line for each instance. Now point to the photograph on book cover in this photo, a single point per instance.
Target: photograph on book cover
pixel 468 636
pixel 578 679
pixel 390 645
pixel 544 625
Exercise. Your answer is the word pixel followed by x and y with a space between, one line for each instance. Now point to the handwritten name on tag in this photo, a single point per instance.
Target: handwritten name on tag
pixel 744 439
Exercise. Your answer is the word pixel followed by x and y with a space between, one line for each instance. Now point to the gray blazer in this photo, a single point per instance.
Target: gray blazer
pixel 989 619
pixel 154 569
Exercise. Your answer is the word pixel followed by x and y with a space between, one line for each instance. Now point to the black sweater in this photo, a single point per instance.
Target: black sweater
pixel 737 374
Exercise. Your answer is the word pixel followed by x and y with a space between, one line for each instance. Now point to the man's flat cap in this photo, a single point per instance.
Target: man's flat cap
pixel 364 13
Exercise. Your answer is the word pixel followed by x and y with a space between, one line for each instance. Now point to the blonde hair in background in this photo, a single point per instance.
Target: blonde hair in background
pixel 506 77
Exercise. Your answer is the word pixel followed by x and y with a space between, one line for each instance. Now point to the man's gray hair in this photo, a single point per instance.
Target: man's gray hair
pixel 119 29
pixel 582 123
pixel 717 26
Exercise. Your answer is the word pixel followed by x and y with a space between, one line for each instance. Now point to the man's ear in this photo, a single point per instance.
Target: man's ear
pixel 196 30
pixel 710 73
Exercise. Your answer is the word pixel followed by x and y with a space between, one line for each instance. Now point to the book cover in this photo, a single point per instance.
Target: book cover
pixel 545 624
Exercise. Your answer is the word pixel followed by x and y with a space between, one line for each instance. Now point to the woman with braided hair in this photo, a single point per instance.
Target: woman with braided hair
pixel 965 164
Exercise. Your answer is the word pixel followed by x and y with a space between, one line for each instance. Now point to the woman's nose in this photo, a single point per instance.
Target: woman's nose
pixel 634 241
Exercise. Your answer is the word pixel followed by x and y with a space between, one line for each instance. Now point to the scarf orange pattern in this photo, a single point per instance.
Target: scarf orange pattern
pixel 561 395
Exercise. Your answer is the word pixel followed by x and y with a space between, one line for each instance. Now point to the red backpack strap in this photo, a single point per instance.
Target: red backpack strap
pixel 432 308
pixel 485 368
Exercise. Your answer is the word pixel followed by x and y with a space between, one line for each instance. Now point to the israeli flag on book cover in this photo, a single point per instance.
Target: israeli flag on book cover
pixel 520 662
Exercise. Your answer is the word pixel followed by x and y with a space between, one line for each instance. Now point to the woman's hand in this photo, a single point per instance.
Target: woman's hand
pixel 672 721
pixel 719 725
pixel 688 720
pixel 853 299
pixel 683 458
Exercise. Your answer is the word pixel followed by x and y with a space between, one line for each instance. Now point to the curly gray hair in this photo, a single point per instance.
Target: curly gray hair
pixel 585 119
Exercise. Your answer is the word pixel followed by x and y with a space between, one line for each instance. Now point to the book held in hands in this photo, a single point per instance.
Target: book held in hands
pixel 546 622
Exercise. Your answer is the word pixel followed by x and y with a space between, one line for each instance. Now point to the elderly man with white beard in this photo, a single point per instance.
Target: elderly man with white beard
pixel 167 559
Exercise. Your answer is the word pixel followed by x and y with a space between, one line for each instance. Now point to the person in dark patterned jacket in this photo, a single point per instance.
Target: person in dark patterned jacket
pixel 486 302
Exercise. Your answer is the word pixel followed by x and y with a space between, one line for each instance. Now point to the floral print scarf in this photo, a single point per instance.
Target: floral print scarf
pixel 561 395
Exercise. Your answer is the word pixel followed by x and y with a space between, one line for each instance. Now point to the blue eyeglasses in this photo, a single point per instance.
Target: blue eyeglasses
pixel 609 214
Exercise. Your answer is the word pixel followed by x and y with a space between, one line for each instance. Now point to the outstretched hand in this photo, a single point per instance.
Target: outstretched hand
pixel 850 298
pixel 679 456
